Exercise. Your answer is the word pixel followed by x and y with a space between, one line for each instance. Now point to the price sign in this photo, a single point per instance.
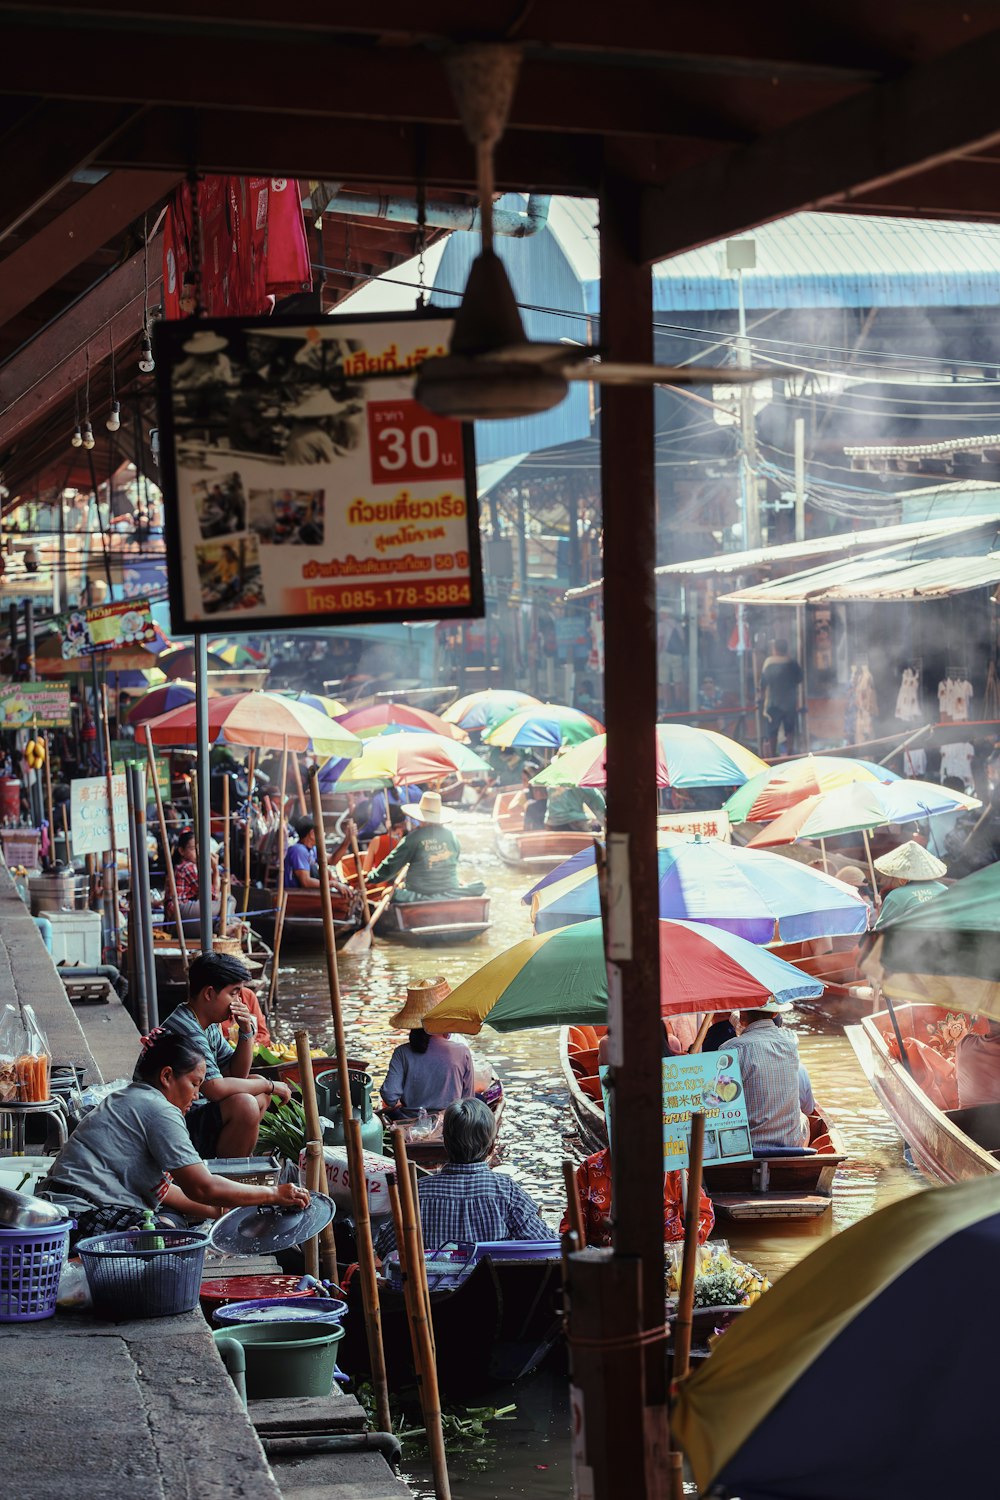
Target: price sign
pixel 410 443
pixel 709 1083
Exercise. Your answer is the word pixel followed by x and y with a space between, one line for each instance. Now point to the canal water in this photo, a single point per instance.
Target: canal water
pixel 531 1452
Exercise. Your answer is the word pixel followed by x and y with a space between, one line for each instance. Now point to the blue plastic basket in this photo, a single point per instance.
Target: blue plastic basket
pixel 31 1262
pixel 144 1273
pixel 292 1310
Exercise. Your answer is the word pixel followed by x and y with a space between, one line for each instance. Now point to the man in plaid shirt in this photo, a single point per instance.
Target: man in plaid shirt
pixel 466 1201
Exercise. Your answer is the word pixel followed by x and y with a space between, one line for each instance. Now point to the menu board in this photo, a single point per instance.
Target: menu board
pixel 89 819
pixel 26 705
pixel 709 1083
pixel 303 482
pixel 128 623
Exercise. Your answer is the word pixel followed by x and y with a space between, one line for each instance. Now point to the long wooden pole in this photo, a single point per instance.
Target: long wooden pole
pixel 111 884
pixel 300 793
pixel 409 1288
pixel 429 1395
pixel 871 869
pixel 165 841
pixel 48 799
pixel 355 850
pixel 227 854
pixel 355 1156
pixel 685 1299
pixel 281 902
pixel 307 1083
pixel 246 833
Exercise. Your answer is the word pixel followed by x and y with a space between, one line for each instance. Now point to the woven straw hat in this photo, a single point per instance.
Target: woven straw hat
pixel 317 404
pixel 911 861
pixel 205 342
pixel 427 810
pixel 421 999
pixel 850 875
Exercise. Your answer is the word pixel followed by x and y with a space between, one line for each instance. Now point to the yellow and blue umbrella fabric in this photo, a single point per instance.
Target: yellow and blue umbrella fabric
pixel 323 704
pixel 257 721
pixel 560 978
pixel 761 897
pixel 865 1373
pixel 160 700
pixel 768 793
pixel 482 711
pixel 685 757
pixel 382 718
pixel 545 726
pixel 408 759
pixel 236 654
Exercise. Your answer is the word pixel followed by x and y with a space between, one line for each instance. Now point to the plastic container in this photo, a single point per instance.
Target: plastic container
pixel 286 1359
pixel 144 1275
pixel 216 1294
pixel 292 1309
pixel 10 798
pixel 255 1171
pixel 31 1262
pixel 76 937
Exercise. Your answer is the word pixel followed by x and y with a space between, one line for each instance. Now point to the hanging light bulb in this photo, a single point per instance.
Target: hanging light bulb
pixel 76 441
pixel 114 417
pixel 146 362
pixel 87 433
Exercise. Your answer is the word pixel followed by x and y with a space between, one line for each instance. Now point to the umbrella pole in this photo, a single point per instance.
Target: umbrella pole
pixel 204 791
pixel 871 868
pixel 164 840
pixel 281 901
pixel 307 1083
pixel 685 1300
pixel 227 850
pixel 246 832
pixel 299 792
pixel 352 1139
pixel 826 862
pixel 904 1059
pixel 110 885
pixel 48 800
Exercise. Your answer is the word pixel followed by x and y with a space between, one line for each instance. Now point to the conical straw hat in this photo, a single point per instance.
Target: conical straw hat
pixel 910 861
pixel 421 998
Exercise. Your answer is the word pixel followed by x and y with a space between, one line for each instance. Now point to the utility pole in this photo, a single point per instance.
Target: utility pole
pixel 800 536
pixel 741 255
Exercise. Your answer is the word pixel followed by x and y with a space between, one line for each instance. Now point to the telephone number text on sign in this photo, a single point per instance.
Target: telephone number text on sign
pixel 387 596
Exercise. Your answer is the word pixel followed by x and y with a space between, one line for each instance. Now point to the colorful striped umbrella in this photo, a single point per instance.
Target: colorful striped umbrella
pixel 685 757
pixel 888 1324
pixel 766 795
pixel 179 662
pixel 858 808
pixel 332 707
pixel 560 978
pixel 546 726
pixel 488 708
pixel 160 700
pixel 406 759
pixel 235 654
pixel 761 897
pixel 257 721
pixel 379 717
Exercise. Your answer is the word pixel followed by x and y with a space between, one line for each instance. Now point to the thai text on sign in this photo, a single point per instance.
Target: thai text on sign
pixel 125 624
pixel 705 825
pixel 25 705
pixel 89 818
pixel 709 1083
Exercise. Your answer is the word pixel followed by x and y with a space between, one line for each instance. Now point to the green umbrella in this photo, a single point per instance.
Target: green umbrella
pixel 933 951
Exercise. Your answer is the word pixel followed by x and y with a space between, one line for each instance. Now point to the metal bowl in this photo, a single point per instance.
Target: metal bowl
pixel 19 1211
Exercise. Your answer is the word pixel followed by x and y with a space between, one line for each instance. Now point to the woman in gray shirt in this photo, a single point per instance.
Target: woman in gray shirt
pixel 133 1152
pixel 428 1072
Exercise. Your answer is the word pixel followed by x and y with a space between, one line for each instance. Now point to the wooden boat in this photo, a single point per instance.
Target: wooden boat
pixel 429 1153
pixel 304 916
pixel 498 1325
pixel 534 849
pixel 793 1188
pixel 948 1145
pixel 455 919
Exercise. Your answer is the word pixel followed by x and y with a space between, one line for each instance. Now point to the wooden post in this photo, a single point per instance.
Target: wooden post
pixel 422 1261
pixel 299 792
pixel 227 853
pixel 246 833
pixel 685 1297
pixel 606 1379
pixel 48 800
pixel 307 1083
pixel 280 902
pixel 310 1250
pixel 355 1154
pixel 573 1209
pixel 111 885
pixel 165 841
pixel 67 841
pixel 429 1394
pixel 409 1286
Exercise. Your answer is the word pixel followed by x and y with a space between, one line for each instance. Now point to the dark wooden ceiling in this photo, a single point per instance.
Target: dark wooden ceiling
pixel 723 116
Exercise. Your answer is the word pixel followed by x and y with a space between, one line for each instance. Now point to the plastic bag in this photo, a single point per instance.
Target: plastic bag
pixel 93 1094
pixel 35 1061
pixel 73 1289
pixel 11 1046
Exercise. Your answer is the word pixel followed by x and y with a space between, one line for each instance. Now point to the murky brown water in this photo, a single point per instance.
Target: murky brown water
pixel 532 1452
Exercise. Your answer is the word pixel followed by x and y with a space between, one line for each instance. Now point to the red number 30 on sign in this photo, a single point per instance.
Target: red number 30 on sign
pixel 410 443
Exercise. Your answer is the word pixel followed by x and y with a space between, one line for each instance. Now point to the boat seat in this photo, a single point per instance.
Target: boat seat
pixel 979 1121
pixel 582 1038
pixel 584 1062
pixel 783 1151
pixel 592 1088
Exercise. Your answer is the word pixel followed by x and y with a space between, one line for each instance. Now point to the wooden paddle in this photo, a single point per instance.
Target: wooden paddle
pixel 361 941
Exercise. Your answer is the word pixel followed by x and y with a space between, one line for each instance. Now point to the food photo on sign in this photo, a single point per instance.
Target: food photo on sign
pixel 303 480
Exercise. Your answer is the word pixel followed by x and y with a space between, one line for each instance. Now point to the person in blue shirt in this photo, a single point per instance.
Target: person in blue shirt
pixel 301 868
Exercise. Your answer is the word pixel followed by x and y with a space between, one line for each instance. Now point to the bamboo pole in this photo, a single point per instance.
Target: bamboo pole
pixel 310 1250
pixel 355 1156
pixel 429 1395
pixel 227 850
pixel 279 927
pixel 822 850
pixel 246 832
pixel 300 792
pixel 409 1287
pixel 281 901
pixel 573 1210
pixel 165 841
pixel 67 841
pixel 871 868
pixel 307 1083
pixel 685 1300
pixel 111 885
pixel 421 1257
pixel 362 887
pixel 48 799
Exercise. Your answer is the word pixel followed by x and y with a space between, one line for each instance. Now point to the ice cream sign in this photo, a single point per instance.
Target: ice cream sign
pixel 125 624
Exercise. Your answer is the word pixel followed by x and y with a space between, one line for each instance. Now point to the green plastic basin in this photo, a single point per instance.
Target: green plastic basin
pixel 286 1359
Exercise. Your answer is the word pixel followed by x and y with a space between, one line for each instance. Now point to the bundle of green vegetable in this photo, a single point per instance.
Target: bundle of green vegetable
pixel 283 1129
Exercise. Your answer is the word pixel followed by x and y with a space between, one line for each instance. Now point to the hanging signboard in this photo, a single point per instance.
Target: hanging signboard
pixel 128 753
pixel 299 488
pixel 89 814
pixel 705 825
pixel 128 623
pixel 45 705
pixel 709 1082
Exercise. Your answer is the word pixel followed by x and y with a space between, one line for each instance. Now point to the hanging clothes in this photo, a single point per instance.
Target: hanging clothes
pixel 956 760
pixel 908 698
pixel 866 701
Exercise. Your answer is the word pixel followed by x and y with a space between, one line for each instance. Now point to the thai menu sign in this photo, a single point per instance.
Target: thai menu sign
pixel 128 623
pixel 89 819
pixel 705 825
pixel 303 482
pixel 45 705
pixel 709 1082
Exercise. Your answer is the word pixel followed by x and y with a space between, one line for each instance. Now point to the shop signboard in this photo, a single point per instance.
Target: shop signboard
pixel 89 814
pixel 705 825
pixel 303 482
pixel 128 753
pixel 709 1083
pixel 127 623
pixel 35 705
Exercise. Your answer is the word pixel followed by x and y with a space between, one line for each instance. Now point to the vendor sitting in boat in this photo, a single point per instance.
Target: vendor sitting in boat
pixel 225 1120
pixel 466 1201
pixel 187 884
pixel 913 876
pixel 977 1065
pixel 575 809
pixel 132 1153
pixel 593 1186
pixel 301 866
pixel 532 798
pixel 768 1056
pixel 427 1072
pixel 432 853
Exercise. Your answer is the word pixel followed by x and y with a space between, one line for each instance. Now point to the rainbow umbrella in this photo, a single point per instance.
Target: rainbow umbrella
pixel 859 1325
pixel 235 654
pixel 487 708
pixel 376 719
pixel 161 700
pixel 560 979
pixel 547 726
pixel 685 757
pixel 859 807
pixel 767 794
pixel 257 721
pixel 180 662
pixel 332 707
pixel 405 759
pixel 762 897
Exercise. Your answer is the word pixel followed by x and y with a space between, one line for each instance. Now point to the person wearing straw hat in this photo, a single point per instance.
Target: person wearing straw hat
pixel 432 852
pixel 912 877
pixel 207 362
pixel 320 428
pixel 426 1072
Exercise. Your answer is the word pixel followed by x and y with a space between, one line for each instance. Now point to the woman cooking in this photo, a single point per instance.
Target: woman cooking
pixel 133 1153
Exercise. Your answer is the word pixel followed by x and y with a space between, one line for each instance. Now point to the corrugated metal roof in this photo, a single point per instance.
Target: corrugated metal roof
pixel 952 562
pixel 488 475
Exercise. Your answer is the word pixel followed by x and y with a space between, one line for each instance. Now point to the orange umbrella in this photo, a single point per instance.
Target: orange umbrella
pixel 381 717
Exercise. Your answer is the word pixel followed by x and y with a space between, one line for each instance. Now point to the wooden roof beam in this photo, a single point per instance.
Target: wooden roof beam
pixel 100 215
pixel 47 146
pixel 931 115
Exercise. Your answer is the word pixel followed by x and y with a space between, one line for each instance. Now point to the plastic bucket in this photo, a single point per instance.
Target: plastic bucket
pixel 274 1309
pixel 216 1294
pixel 286 1359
